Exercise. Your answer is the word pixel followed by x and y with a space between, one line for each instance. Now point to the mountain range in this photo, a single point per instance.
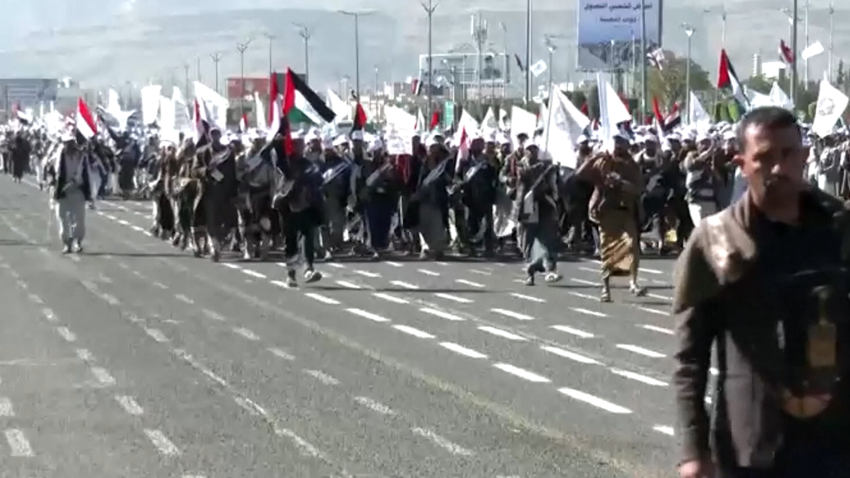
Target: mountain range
pixel 107 42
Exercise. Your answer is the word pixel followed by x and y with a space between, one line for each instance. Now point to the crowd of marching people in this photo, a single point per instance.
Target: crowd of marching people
pixel 345 195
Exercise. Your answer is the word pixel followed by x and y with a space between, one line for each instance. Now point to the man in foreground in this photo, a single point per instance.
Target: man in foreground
pixel 766 280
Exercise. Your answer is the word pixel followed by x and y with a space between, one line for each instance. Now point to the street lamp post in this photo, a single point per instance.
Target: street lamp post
pixel 643 75
pixel 242 48
pixel 478 30
pixel 831 40
pixel 186 76
pixel 271 38
pixel 505 45
pixel 689 31
pixel 356 16
pixel 305 35
pixel 216 58
pixel 430 8
pixel 550 46
pixel 793 19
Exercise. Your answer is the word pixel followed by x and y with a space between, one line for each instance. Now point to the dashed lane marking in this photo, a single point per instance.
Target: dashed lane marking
pixel 657 329
pixel 460 349
pixel 664 429
pixel 404 285
pixel 367 315
pixel 594 401
pixel 569 355
pixel 470 283
pixel 501 333
pixel 588 312
pixel 393 264
pixel 639 378
pixel 348 285
pixel 84 355
pixel 254 274
pixel 102 376
pixel 159 285
pixel 35 299
pixel 213 315
pixel 183 298
pixel 660 297
pixel 441 442
pixel 280 353
pixel 654 311
pixel 129 405
pixel 585 282
pixel 428 272
pixel 527 297
pixel 306 448
pixel 441 314
pixel 480 272
pixel 641 351
pixel 453 298
pixel 375 406
pixel 49 314
pixel 582 295
pixel 162 444
pixel 18 443
pixel 335 265
pixel 6 408
pixel 512 314
pixel 157 335
pixel 66 334
pixel 110 299
pixel 391 298
pixel 521 373
pixel 413 331
pixel 371 275
pixel 322 377
pixel 321 298
pixel 572 331
pixel 248 334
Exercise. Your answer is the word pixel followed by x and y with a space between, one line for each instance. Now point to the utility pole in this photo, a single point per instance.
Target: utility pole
pixel 430 8
pixel 806 34
pixel 689 31
pixel 186 70
pixel 506 66
pixel 528 50
pixel 547 41
pixel 242 48
pixel 478 30
pixel 198 67
pixel 356 16
pixel 831 41
pixel 305 35
pixel 216 58
pixel 794 49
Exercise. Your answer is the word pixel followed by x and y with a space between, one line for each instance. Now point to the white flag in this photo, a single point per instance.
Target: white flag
pixel 812 50
pixel 778 97
pixel 564 125
pixel 697 115
pixel 831 104
pixel 539 68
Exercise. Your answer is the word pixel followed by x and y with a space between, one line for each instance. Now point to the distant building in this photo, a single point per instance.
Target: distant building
pixel 27 92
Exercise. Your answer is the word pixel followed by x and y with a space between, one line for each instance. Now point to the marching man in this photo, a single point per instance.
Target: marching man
pixel 71 190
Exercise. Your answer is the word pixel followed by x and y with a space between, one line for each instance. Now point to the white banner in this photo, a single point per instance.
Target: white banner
pixel 600 22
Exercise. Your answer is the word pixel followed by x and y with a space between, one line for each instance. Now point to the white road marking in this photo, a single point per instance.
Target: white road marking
pixel 372 275
pixel 585 282
pixel 658 329
pixel 248 334
pixel 138 229
pixel 160 285
pixel 588 269
pixel 441 442
pixel 638 377
pixel 157 335
pixel 74 258
pixel 652 271
pixel 441 263
pixel 462 350
pixel 521 373
pixel 49 315
pixel 391 298
pixel 229 265
pixel 368 315
pixel 36 299
pixel 253 274
pixel 18 443
pixel 569 330
pixel 588 312
pixel 470 283
pixel 183 298
pixel 281 284
pixel 85 355
pixel 441 314
pixel 66 334
pixel 595 401
pixel 570 355
pixel 512 314
pixel 6 408
pixel 374 405
pixel 129 405
pixel 348 285
pixel 501 333
pixel 640 350
pixel 110 299
pixel 654 311
pixel 280 353
pixel 528 297
pixel 480 272
pixel 393 264
pixel 213 315
pixel 454 298
pixel 103 376
pixel 306 448
pixel 413 331
pixel 405 285
pixel 123 222
pixel 659 297
pixel 162 443
pixel 321 298
pixel 322 377
pixel 429 273
pixel 22 284
pixel 331 264
pixel 249 406
pixel 664 429
pixel 582 295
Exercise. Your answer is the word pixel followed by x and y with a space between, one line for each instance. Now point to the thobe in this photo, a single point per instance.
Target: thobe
pixel 73 189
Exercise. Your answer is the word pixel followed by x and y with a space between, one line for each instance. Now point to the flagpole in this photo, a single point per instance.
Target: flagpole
pixel 216 58
pixel 794 12
pixel 528 51
pixel 831 40
pixel 643 53
pixel 356 16
pixel 689 31
pixel 242 48
pixel 305 35
pixel 430 7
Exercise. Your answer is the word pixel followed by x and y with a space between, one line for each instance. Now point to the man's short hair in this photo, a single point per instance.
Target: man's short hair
pixel 769 117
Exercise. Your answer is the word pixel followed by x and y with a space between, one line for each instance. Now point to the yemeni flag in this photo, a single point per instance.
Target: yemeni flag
pixel 359 123
pixel 728 80
pixel 201 124
pixel 785 53
pixel 85 125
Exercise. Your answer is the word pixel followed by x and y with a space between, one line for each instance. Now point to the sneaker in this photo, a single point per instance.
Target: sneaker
pixel 311 276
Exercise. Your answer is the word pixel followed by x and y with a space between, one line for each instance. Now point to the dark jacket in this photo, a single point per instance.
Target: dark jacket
pixel 720 298
pixel 60 179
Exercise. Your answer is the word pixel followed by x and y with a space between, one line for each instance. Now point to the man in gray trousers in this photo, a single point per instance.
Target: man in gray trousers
pixel 71 191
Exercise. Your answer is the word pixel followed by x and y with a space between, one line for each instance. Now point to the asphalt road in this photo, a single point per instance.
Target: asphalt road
pixel 137 360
